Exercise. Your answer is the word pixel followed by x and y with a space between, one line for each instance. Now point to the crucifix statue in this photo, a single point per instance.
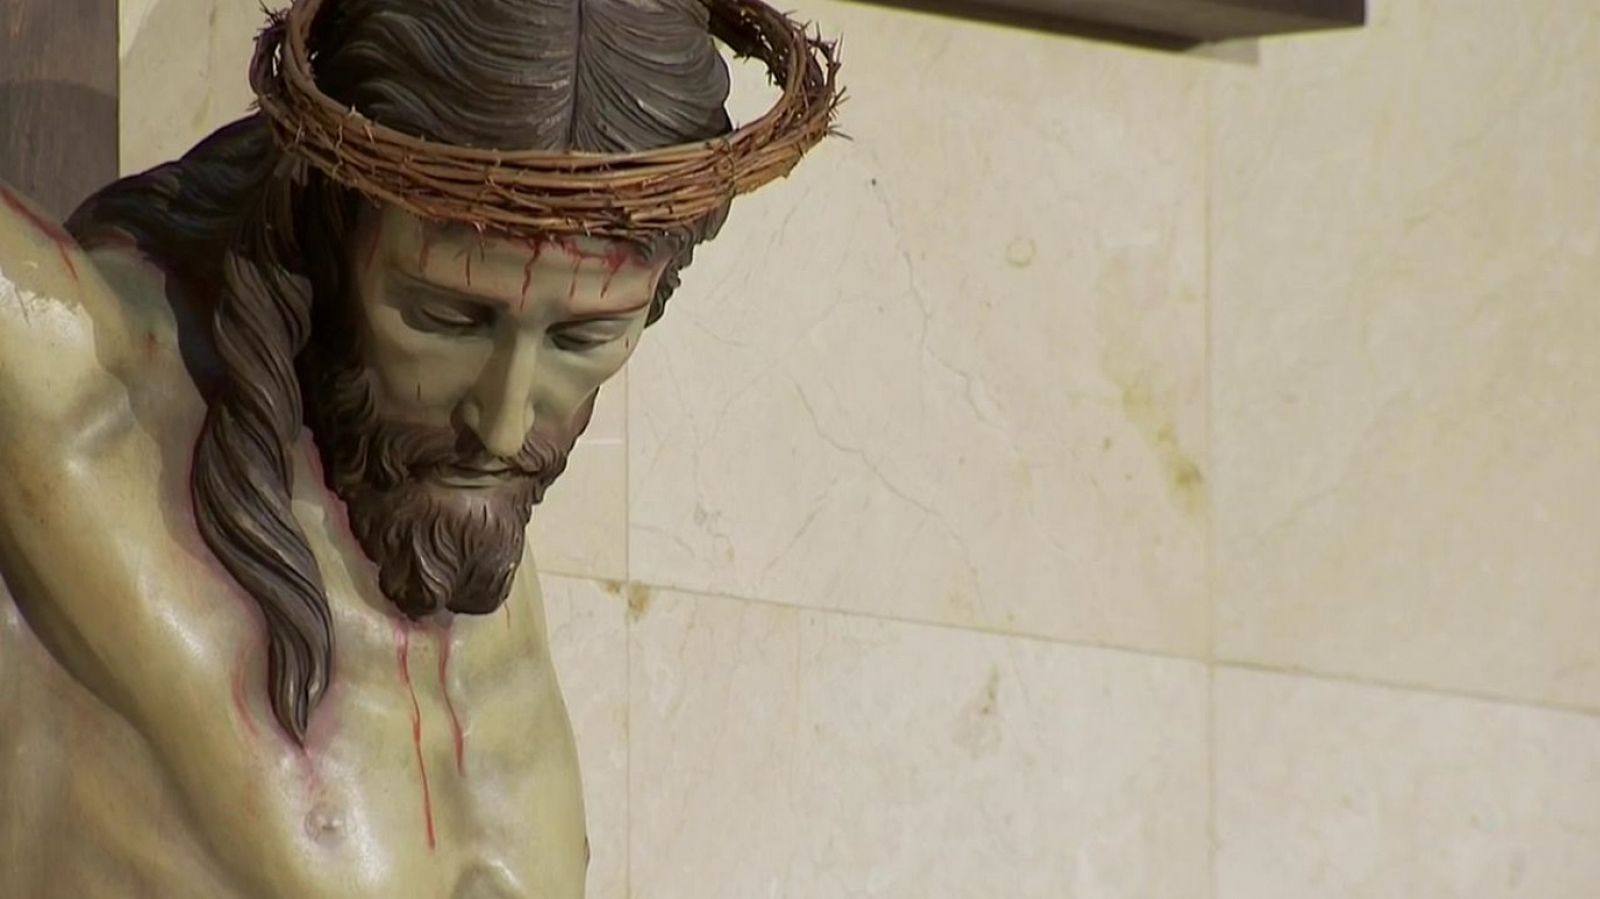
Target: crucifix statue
pixel 274 418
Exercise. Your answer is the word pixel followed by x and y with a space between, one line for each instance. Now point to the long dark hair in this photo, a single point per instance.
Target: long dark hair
pixel 238 220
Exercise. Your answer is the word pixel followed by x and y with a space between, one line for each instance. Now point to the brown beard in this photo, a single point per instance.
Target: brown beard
pixel 436 546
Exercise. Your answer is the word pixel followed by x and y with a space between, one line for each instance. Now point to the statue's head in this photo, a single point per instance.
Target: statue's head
pixel 446 382
pixel 449 370
pixel 444 370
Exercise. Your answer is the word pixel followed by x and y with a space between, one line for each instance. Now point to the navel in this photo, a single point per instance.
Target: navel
pixel 325 824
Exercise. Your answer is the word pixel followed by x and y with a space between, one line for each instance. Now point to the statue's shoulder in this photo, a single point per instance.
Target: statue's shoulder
pixel 41 265
pixel 67 334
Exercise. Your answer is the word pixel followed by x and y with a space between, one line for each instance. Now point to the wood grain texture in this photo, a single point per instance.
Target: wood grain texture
pixel 58 98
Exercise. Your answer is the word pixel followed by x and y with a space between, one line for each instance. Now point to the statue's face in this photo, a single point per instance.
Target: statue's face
pixel 493 335
pixel 473 371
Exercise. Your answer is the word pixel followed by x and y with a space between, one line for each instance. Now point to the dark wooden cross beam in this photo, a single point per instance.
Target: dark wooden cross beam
pixel 1160 22
pixel 1211 20
pixel 58 99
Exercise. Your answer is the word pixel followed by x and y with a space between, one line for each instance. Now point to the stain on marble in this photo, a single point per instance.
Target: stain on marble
pixel 921 433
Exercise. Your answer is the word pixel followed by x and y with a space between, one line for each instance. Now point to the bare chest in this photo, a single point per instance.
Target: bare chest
pixel 441 747
pixel 439 764
pixel 446 750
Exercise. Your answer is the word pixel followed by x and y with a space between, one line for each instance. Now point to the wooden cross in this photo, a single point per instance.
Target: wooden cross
pixel 58 99
pixel 1161 23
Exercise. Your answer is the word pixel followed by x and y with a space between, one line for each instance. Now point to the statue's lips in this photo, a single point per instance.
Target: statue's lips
pixel 474 477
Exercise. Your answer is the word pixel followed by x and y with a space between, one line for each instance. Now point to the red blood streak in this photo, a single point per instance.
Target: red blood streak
pixel 404 654
pixel 616 250
pixel 577 256
pixel 450 706
pixel 615 260
pixel 55 232
pixel 616 255
pixel 535 249
pixel 527 281
pixel 573 251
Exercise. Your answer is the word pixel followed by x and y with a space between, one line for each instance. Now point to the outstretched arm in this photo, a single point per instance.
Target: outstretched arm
pixel 129 606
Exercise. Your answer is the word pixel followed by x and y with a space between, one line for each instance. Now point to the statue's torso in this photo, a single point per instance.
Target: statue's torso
pixel 439 764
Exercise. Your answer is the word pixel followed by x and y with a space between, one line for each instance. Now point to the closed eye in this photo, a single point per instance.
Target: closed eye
pixel 449 318
pixel 588 335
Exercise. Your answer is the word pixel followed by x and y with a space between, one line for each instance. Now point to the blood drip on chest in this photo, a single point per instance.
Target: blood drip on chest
pixel 450 706
pixel 404 656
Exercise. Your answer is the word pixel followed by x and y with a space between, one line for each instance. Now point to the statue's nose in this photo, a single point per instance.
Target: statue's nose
pixel 500 409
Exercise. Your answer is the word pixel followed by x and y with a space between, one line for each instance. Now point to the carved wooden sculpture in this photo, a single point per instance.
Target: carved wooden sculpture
pixel 273 419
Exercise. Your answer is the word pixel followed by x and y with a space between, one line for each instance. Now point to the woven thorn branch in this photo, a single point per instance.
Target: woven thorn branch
pixel 627 195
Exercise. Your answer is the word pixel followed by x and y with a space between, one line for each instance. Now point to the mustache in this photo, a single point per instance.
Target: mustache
pixel 397 452
pixel 364 449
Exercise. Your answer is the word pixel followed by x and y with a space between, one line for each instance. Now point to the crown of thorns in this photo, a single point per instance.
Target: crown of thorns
pixel 603 194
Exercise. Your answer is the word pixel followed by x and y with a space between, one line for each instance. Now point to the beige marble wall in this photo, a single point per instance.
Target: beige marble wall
pixel 183 73
pixel 1405 367
pixel 1111 474
pixel 954 371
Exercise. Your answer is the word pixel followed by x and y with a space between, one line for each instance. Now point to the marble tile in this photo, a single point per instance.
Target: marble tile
pixel 589 646
pixel 184 73
pixel 951 370
pixel 581 528
pixel 1404 327
pixel 715 734
pixel 1336 791
pixel 780 752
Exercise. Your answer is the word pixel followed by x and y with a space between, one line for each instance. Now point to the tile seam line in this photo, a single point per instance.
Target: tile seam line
pixel 1197 659
pixel 1220 661
pixel 1408 687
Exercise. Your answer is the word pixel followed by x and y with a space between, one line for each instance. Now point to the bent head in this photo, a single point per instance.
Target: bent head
pixel 444 378
pixel 448 383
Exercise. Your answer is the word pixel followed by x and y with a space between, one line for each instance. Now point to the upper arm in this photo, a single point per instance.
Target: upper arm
pixel 64 334
pixel 97 541
pixel 73 466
